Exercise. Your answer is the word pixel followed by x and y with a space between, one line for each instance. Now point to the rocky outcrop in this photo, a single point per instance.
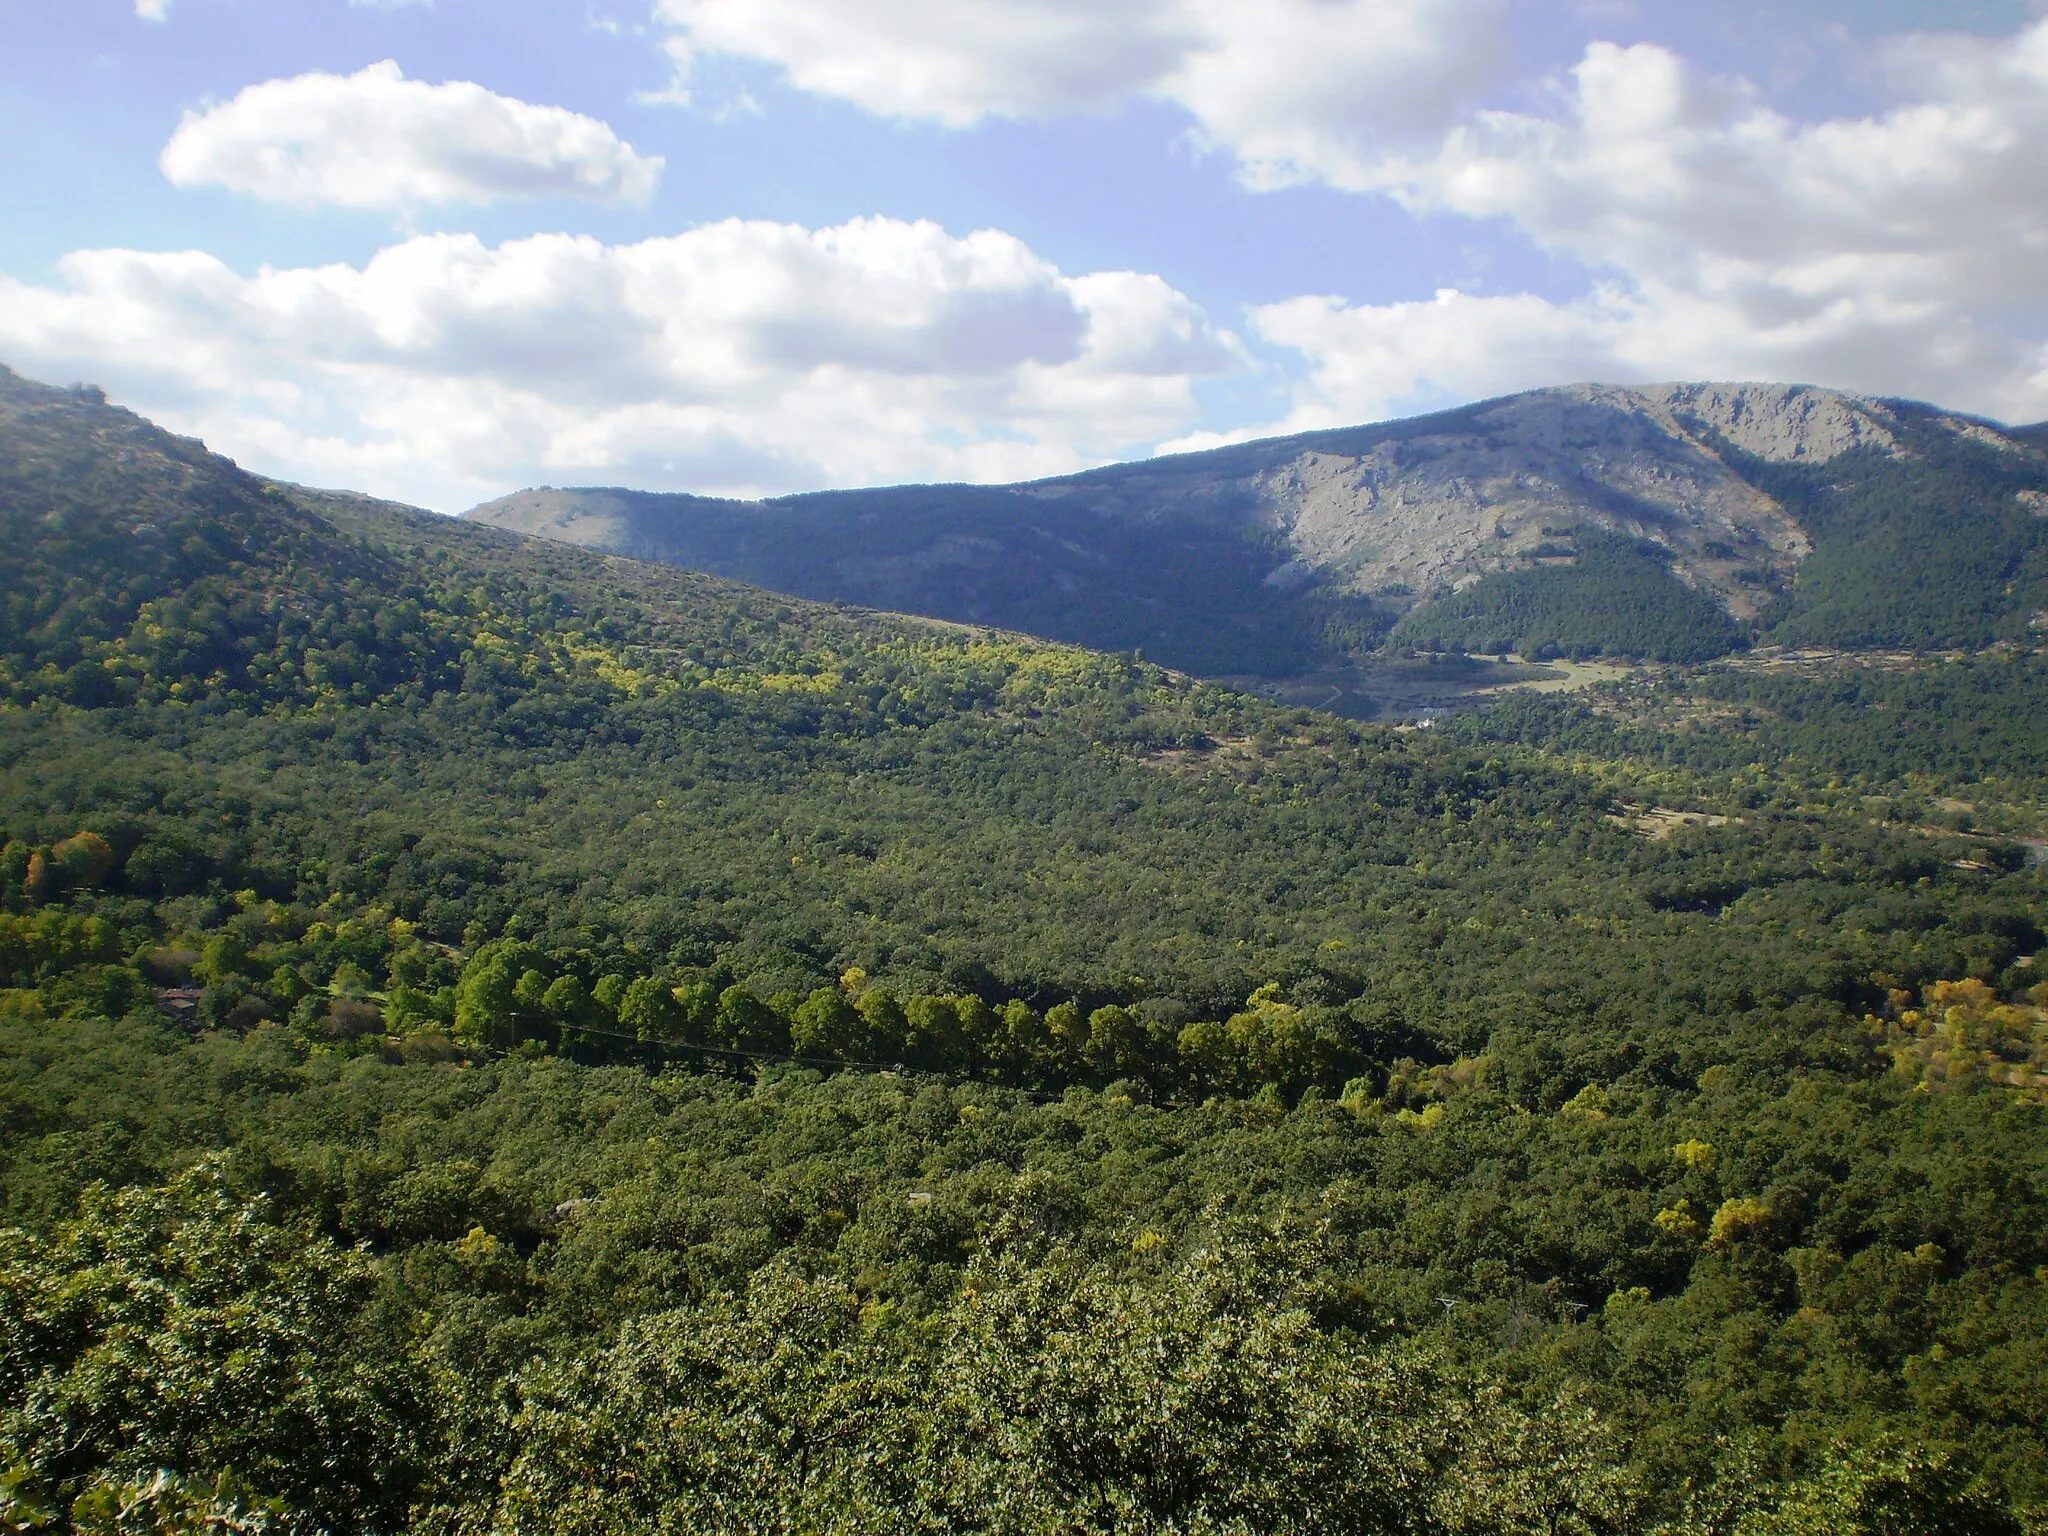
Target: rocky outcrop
pixel 1492 488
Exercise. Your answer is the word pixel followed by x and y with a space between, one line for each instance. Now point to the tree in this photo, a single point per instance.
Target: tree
pixel 82 861
pixel 566 1002
pixel 932 1033
pixel 224 958
pixel 14 857
pixel 610 991
pixel 782 1411
pixel 1740 1218
pixel 185 1330
pixel 36 883
pixel 1116 1041
pixel 649 1009
pixel 530 992
pixel 1067 1036
pixel 745 1023
pixel 826 1025
pixel 980 1030
pixel 698 998
pixel 1887 1488
pixel 486 1013
pixel 1558 1471
pixel 886 1024
pixel 1026 1045
pixel 1271 1042
pixel 1202 1399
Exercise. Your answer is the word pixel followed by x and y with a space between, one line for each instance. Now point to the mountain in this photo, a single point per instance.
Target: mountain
pixel 1750 510
pixel 497 1036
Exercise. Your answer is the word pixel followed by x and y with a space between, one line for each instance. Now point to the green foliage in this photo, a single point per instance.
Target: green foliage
pixel 179 1332
pixel 745 1023
pixel 1925 548
pixel 48 943
pixel 1886 1489
pixel 1885 724
pixel 649 1010
pixel 826 1026
pixel 163 1504
pixel 1287 1125
pixel 1618 596
pixel 781 1411
pixel 800 1295
pixel 1197 1401
pixel 486 1011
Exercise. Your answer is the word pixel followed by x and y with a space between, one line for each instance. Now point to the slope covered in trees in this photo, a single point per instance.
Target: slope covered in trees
pixel 1971 726
pixel 1941 545
pixel 1617 595
pixel 496 1038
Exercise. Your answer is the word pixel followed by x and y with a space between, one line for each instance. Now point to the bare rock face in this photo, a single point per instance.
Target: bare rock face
pixel 1491 488
pixel 596 519
pixel 1781 423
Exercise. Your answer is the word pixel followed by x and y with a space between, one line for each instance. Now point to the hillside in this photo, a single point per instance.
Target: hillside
pixel 495 1036
pixel 1277 557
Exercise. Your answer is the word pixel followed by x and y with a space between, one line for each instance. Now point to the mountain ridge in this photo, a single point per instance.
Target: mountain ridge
pixel 1298 549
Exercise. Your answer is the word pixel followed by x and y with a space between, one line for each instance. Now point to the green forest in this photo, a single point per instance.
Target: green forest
pixel 497 1038
pixel 1616 596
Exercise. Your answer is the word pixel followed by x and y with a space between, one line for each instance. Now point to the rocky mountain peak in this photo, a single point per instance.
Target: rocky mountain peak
pixel 1780 423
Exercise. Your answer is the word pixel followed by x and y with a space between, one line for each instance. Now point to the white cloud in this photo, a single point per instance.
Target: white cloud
pixel 1659 172
pixel 1905 252
pixel 153 10
pixel 375 139
pixel 738 356
pixel 1295 88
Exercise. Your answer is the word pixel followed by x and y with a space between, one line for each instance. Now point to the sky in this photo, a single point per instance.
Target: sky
pixel 438 250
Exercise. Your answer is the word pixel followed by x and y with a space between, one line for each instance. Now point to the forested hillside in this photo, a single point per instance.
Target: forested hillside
pixel 499 1038
pixel 1611 594
pixel 1961 726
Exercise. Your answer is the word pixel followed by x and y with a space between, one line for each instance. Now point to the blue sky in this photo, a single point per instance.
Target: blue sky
pixel 439 250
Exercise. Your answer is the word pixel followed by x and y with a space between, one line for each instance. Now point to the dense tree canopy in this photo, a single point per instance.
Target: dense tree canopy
pixel 495 1039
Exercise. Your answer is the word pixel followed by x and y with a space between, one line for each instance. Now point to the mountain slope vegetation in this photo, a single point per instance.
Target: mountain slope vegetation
pixel 1615 594
pixel 496 1037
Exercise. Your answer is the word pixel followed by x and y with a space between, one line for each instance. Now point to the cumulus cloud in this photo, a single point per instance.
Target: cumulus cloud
pixel 1656 170
pixel 736 357
pixel 153 10
pixel 377 140
pixel 1295 88
pixel 1900 252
